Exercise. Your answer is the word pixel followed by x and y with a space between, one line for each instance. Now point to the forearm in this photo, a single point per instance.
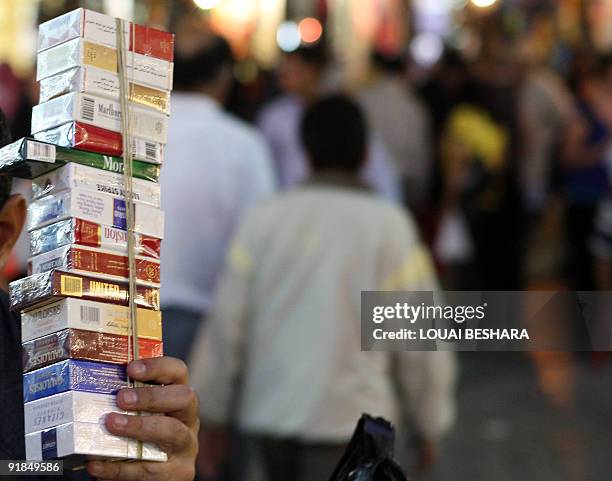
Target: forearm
pixel 428 389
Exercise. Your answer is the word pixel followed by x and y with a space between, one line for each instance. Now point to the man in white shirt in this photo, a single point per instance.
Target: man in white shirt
pixel 301 78
pixel 216 166
pixel 282 349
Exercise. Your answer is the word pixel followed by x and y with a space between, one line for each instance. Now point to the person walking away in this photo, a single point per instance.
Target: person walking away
pixel 281 355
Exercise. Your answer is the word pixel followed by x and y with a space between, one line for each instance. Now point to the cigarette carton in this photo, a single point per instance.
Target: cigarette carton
pixel 73 441
pixel 85 345
pixel 71 375
pixel 101 29
pixel 94 207
pixel 103 113
pixel 140 69
pixel 95 81
pixel 74 175
pixel 53 285
pixel 68 407
pixel 92 316
pixel 90 138
pixel 80 232
pixel 95 263
pixel 28 159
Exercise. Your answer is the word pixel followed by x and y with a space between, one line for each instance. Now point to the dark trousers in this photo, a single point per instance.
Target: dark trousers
pixel 180 329
pixel 292 460
pixel 579 224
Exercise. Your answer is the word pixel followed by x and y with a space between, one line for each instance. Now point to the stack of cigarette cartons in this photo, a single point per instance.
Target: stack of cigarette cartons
pixel 76 327
pixel 78 74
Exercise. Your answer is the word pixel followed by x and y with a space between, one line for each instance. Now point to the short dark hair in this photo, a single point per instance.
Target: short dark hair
pixel 203 67
pixel 6 182
pixel 388 62
pixel 334 134
pixel 312 54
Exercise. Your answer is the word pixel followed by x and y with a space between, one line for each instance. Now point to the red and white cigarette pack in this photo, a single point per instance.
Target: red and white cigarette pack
pixel 101 29
pixel 81 232
pixel 82 136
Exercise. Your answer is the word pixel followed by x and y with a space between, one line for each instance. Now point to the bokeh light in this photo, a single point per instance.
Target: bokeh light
pixel 206 4
pixel 310 30
pixel 426 48
pixel 483 3
pixel 288 36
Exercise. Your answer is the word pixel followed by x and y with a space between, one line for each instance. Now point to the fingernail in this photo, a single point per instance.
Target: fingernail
pixel 120 421
pixel 95 468
pixel 129 396
pixel 138 368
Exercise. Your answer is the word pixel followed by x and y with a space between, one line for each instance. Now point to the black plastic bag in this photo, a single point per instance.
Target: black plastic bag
pixel 369 454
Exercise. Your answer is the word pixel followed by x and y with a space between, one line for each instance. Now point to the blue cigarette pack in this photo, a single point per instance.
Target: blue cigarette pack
pixel 72 375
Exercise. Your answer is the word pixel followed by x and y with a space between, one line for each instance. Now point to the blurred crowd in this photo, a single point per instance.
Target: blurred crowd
pixel 488 173
pixel 502 158
pixel 484 173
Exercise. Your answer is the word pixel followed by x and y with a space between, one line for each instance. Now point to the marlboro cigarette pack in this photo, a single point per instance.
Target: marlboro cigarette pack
pixel 73 441
pixel 86 137
pixel 89 178
pixel 101 29
pixel 94 207
pixel 68 407
pixel 54 285
pixel 95 263
pixel 28 158
pixel 95 81
pixel 92 316
pixel 85 345
pixel 103 113
pixel 78 231
pixel 71 375
pixel 141 70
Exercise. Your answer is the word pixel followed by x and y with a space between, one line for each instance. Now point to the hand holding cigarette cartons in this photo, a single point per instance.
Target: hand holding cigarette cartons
pixel 91 304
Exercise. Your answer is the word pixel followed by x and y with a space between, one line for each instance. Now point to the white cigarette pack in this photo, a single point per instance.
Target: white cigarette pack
pixel 74 175
pixel 86 439
pixel 140 69
pixel 68 407
pixel 94 207
pixel 103 113
pixel 96 81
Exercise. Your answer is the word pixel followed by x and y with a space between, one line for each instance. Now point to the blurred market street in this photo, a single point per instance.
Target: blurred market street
pixel 504 420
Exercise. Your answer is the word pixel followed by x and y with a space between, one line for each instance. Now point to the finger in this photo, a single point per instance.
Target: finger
pixel 177 400
pixel 160 370
pixel 168 433
pixel 140 470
